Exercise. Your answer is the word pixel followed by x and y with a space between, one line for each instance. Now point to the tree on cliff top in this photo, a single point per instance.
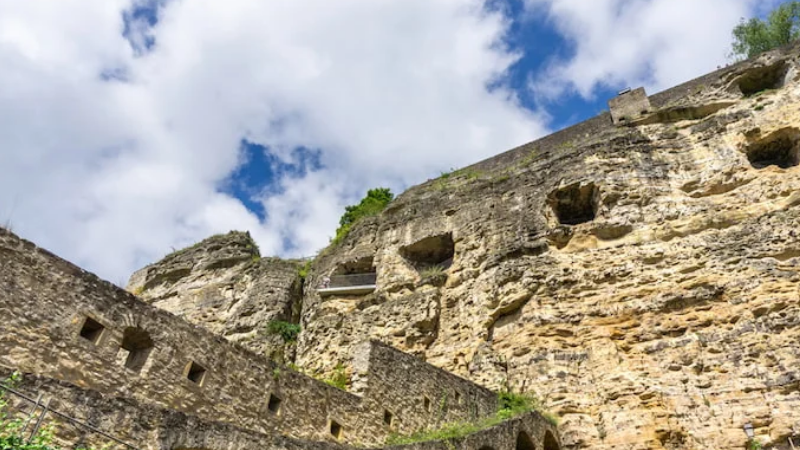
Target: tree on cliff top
pixel 375 201
pixel 755 36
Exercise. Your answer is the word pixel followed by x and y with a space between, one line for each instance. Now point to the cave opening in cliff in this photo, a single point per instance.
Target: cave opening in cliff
pixel 365 264
pixel 431 252
pixel 550 442
pixel 92 330
pixel 274 404
pixel 196 373
pixel 762 79
pixel 781 148
pixel 574 204
pixel 524 442
pixel 139 345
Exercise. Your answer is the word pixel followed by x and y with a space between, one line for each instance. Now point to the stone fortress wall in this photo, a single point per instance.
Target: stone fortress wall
pixel 641 278
pixel 142 426
pixel 65 325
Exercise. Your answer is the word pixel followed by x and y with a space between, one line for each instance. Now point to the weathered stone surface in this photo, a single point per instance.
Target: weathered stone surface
pixel 224 285
pixel 62 323
pixel 146 427
pixel 642 280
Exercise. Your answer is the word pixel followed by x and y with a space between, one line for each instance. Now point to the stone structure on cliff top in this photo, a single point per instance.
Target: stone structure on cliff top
pixel 639 272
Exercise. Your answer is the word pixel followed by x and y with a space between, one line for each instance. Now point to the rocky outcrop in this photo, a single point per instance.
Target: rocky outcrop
pixel 641 279
pixel 223 284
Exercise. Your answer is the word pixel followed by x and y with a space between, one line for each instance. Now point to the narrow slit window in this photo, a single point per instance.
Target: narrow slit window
pixel 196 373
pixel 387 418
pixel 336 429
pixel 92 330
pixel 458 398
pixel 426 403
pixel 274 404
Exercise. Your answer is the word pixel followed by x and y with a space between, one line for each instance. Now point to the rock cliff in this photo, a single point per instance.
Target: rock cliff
pixel 639 271
pixel 642 279
pixel 223 284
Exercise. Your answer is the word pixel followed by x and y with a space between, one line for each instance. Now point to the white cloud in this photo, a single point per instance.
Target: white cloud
pixel 652 43
pixel 112 174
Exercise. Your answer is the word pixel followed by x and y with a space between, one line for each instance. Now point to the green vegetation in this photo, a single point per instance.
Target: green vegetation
pixel 435 271
pixel 510 405
pixel 287 331
pixel 11 436
pixel 467 174
pixel 754 444
pixel 338 378
pixel 304 269
pixel 371 205
pixel 755 36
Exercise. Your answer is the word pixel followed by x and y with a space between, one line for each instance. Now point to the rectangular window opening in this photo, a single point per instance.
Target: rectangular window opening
pixel 336 429
pixel 274 404
pixel 92 330
pixel 426 403
pixel 196 373
pixel 387 418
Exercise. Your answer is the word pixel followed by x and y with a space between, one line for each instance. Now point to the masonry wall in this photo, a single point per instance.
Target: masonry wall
pixel 44 302
pixel 144 426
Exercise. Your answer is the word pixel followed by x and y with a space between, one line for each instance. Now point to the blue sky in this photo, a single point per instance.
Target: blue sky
pixel 131 127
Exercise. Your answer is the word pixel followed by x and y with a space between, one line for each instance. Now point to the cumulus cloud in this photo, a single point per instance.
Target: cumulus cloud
pixel 118 133
pixel 652 43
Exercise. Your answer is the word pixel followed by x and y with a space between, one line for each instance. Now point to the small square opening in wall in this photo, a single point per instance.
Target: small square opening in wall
pixel 426 403
pixel 196 373
pixel 336 429
pixel 92 330
pixel 387 418
pixel 274 404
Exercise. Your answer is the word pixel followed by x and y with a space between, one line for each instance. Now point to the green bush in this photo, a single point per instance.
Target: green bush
pixel 509 405
pixel 338 378
pixel 375 202
pixel 11 429
pixel 287 331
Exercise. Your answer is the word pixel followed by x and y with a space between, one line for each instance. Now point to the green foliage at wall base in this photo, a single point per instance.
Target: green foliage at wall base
pixel 510 405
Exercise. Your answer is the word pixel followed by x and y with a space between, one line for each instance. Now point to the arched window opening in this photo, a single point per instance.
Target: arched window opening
pixel 139 345
pixel 550 442
pixel 524 442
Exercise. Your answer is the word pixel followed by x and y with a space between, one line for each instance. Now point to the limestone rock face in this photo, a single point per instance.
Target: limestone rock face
pixel 642 280
pixel 223 285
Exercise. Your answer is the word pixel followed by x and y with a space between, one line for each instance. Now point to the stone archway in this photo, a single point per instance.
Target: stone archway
pixel 524 442
pixel 550 442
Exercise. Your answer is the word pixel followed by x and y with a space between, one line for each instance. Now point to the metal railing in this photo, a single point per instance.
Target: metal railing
pixel 344 281
pixel 37 403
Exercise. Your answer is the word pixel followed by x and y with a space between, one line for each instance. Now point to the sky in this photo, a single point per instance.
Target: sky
pixel 130 128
